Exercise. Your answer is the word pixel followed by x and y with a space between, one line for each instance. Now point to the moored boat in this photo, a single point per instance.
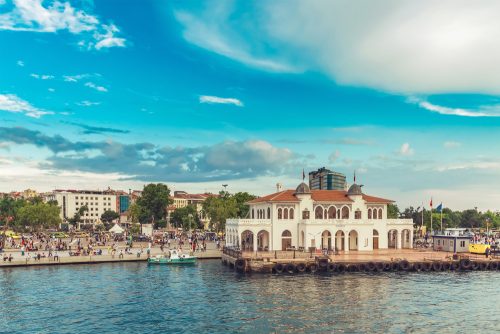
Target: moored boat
pixel 174 257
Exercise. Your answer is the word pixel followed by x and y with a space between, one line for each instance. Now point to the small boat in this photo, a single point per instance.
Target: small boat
pixel 174 257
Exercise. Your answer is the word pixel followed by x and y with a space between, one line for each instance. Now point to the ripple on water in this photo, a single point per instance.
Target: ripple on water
pixel 209 298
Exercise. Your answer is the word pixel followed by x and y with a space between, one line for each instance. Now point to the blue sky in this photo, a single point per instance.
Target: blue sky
pixel 196 94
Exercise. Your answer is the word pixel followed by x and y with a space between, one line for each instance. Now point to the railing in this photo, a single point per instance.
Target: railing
pixel 248 221
pixel 231 251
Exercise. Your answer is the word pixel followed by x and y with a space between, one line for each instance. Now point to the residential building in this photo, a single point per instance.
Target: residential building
pixel 70 201
pixel 325 179
pixel 319 219
pixel 182 199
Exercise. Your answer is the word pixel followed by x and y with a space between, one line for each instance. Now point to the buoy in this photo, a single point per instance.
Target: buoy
pixel 394 266
pixel 301 267
pixel 323 264
pixel 417 266
pixel 240 265
pixel 379 266
pixel 353 267
pixel 454 266
pixel 474 265
pixel 341 268
pixel 387 266
pixel 446 266
pixel 437 266
pixel 404 265
pixel 494 265
pixel 362 267
pixel 290 268
pixel 370 266
pixel 279 267
pixel 465 264
pixel 483 266
pixel 331 266
pixel 426 266
pixel 313 268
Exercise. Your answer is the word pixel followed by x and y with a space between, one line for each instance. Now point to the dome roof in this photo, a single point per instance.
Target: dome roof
pixel 302 189
pixel 355 189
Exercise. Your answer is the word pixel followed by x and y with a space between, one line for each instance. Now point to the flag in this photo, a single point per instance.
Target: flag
pixel 418 209
pixel 303 174
pixel 431 202
pixel 439 207
pixel 354 176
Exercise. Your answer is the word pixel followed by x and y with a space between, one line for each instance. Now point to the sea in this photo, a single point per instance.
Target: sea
pixel 211 298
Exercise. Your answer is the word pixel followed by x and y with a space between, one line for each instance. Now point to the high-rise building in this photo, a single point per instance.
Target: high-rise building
pixel 325 179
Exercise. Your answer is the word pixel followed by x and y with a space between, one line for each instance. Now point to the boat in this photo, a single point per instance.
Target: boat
pixel 174 257
pixel 478 248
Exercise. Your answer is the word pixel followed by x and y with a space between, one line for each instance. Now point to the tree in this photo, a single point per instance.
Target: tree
pixel 109 215
pixel 77 217
pixel 153 203
pixel 39 216
pixel 241 199
pixel 9 208
pixel 392 211
pixel 219 209
pixel 186 217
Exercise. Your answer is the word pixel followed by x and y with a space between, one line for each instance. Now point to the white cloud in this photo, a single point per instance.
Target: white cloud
pixel 451 144
pixel 14 104
pixel 20 63
pixel 406 150
pixel 96 87
pixel 42 76
pixel 38 16
pixel 410 47
pixel 481 111
pixel 86 103
pixel 107 39
pixel 334 156
pixel 52 90
pixel 220 100
pixel 215 37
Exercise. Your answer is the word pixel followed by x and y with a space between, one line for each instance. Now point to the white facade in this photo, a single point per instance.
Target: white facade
pixel 319 219
pixel 71 201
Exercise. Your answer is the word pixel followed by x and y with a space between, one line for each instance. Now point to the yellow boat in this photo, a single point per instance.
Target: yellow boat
pixel 478 248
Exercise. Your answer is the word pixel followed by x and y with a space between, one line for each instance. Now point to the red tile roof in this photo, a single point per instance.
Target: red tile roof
pixel 317 196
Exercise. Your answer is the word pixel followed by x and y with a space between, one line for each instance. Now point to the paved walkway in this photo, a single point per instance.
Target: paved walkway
pixel 64 258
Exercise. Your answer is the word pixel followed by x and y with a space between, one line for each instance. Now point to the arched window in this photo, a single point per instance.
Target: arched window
pixel 345 212
pixel 369 213
pixel 379 213
pixel 305 214
pixel 253 213
pixel 332 212
pixel 375 213
pixel 357 214
pixel 268 213
pixel 318 212
pixel 285 213
pixel 291 213
pixel 280 213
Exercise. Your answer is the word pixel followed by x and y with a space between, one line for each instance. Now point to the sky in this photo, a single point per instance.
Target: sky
pixel 196 94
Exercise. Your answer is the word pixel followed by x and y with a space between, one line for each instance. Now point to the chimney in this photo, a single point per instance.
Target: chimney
pixel 279 187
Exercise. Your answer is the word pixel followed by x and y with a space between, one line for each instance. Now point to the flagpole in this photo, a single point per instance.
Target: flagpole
pixel 441 217
pixel 431 216
pixel 422 227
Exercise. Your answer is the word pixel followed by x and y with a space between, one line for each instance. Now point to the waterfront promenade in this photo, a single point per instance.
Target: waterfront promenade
pixel 64 258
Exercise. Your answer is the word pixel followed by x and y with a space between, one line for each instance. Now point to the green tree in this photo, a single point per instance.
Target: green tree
pixel 77 217
pixel 39 216
pixel 186 217
pixel 109 215
pixel 9 209
pixel 219 209
pixel 392 211
pixel 153 203
pixel 241 199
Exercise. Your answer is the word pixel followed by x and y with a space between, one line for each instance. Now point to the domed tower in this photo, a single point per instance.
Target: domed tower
pixel 302 189
pixel 355 190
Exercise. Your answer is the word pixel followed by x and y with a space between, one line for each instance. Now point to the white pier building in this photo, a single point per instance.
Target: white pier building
pixel 320 219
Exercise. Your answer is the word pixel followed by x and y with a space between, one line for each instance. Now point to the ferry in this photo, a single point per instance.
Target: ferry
pixel 175 257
